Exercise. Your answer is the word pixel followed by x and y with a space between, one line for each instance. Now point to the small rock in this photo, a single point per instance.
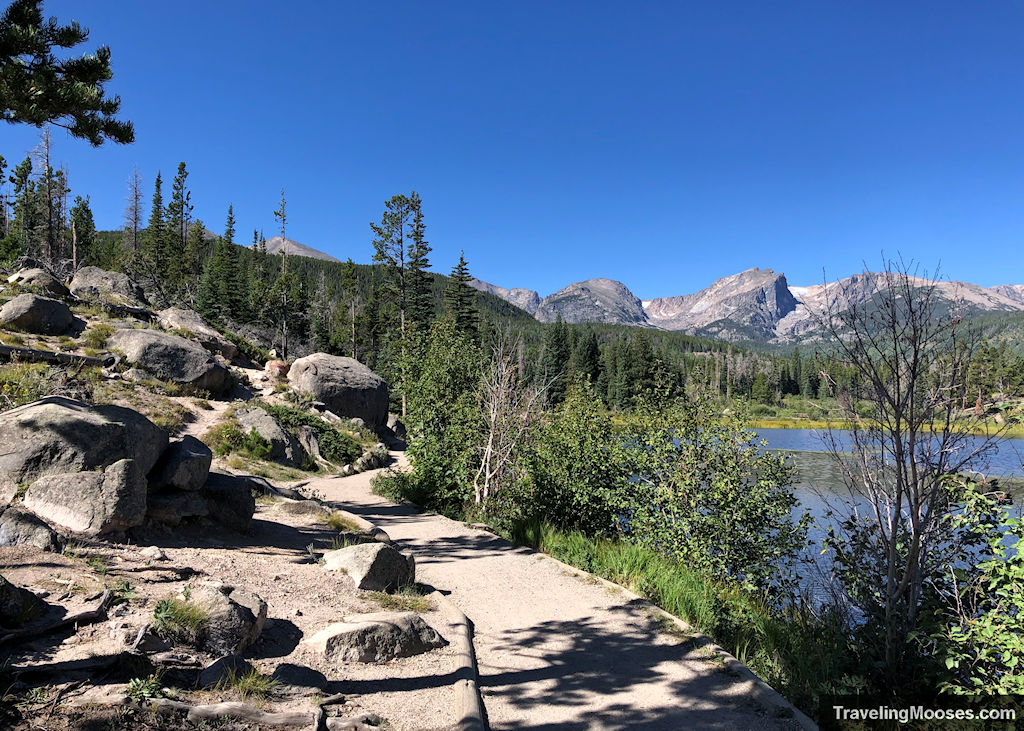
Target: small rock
pixel 299 680
pixel 19 527
pixel 276 368
pixel 36 277
pixel 229 500
pixel 96 283
pixel 214 673
pixel 153 553
pixel 373 566
pixel 236 619
pixel 17 605
pixel 377 637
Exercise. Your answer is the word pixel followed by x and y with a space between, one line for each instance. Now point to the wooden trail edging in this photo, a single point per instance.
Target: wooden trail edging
pixel 469 706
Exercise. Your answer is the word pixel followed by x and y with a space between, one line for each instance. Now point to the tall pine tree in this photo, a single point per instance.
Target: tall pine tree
pixel 460 299
pixel 420 297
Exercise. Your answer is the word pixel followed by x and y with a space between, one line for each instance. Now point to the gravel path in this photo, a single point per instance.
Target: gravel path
pixel 556 649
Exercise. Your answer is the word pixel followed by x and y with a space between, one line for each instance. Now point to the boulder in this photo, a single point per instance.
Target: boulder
pixel 397 427
pixel 177 318
pixel 373 566
pixel 236 619
pixel 58 435
pixel 276 368
pixel 41 279
pixel 171 358
pixel 184 465
pixel 17 605
pixel 91 503
pixel 294 679
pixel 308 441
pixel 95 283
pixel 39 315
pixel 376 637
pixel 229 501
pixel 19 527
pixel 284 448
pixel 345 385
pixel 212 675
pixel 172 507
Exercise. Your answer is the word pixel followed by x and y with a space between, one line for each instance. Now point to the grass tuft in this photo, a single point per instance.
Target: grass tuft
pixel 179 621
pixel 251 684
pixel 408 599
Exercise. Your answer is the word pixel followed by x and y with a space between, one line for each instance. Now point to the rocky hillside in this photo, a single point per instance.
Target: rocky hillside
pixel 756 305
pixel 164 562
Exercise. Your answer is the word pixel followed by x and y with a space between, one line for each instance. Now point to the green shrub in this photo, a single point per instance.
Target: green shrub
pixel 96 336
pixel 251 351
pixel 228 438
pixel 335 446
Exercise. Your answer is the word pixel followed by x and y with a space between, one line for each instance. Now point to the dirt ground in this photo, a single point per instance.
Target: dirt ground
pixel 276 561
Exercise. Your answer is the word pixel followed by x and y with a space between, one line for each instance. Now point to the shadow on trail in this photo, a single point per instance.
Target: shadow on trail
pixel 585 664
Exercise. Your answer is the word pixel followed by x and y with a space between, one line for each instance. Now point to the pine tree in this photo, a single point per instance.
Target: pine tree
pixel 153 237
pixel 83 233
pixel 555 360
pixel 585 363
pixel 26 212
pixel 133 213
pixel 460 299
pixel 175 242
pixel 389 249
pixel 350 290
pixel 420 297
pixel 38 88
pixel 285 290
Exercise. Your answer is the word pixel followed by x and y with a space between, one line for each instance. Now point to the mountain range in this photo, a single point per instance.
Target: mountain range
pixel 755 305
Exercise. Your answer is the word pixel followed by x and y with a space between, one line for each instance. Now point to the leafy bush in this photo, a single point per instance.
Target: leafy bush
pixel 703 490
pixel 253 352
pixel 578 468
pixel 335 446
pixel 444 419
pixel 144 689
pixel 228 438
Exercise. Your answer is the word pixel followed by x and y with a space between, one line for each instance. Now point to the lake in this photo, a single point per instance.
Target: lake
pixel 818 484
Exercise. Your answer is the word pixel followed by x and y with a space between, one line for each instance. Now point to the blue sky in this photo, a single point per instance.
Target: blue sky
pixel 662 144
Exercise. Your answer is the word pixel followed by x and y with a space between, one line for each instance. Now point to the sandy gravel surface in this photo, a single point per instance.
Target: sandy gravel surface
pixel 557 650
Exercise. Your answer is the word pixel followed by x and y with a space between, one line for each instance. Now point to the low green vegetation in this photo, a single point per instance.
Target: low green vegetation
pixel 144 689
pixel 339 522
pixel 97 335
pixel 248 684
pixel 179 621
pixel 335 445
pixel 228 438
pixel 407 599
pixel 23 382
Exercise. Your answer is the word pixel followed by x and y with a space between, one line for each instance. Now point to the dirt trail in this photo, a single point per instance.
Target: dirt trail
pixel 556 650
